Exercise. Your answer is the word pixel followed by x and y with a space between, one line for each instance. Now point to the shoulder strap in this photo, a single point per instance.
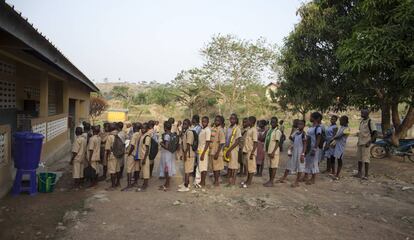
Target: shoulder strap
pixel 369 126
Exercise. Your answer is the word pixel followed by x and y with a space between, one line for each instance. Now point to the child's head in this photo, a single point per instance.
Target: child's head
pixel 144 128
pixel 273 122
pixel 295 123
pixel 245 122
pixel 234 119
pixel 120 125
pixel 334 118
pixel 167 126
pixel 281 122
pixel 261 124
pixel 171 120
pixel 78 131
pixel 96 130
pixel 300 124
pixel 186 124
pixel 365 113
pixel 86 126
pixel 343 121
pixel 179 123
pixel 316 117
pixel 106 127
pixel 195 120
pixel 252 121
pixel 137 127
pixel 112 127
pixel 151 124
pixel 204 121
pixel 218 121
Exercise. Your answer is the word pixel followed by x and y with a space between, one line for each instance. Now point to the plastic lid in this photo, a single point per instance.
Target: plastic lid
pixel 28 135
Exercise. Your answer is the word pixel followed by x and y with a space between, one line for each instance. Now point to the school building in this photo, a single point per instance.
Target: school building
pixel 40 91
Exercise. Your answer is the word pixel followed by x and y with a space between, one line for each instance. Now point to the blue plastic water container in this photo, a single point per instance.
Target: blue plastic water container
pixel 27 150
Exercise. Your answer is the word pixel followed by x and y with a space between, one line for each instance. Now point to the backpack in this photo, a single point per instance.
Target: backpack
pixel 174 142
pixel 323 136
pixel 118 147
pixel 195 142
pixel 153 151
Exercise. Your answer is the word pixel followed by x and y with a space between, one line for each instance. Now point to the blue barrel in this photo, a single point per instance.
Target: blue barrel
pixel 27 150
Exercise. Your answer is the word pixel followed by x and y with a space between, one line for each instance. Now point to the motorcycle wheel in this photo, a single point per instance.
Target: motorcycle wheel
pixel 410 154
pixel 378 152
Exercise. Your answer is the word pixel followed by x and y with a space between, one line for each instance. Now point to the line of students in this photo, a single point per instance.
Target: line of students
pixel 204 148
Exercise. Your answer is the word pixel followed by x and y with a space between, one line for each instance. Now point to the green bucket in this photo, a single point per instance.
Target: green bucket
pixel 46 182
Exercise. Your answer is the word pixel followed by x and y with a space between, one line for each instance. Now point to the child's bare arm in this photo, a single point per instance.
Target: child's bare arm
pixel 205 150
pixel 131 149
pixel 254 150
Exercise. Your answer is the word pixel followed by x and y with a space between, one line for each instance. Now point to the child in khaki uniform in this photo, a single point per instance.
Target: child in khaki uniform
pixel 272 150
pixel 249 151
pixel 132 164
pixel 94 147
pixel 113 163
pixel 366 136
pixel 78 157
pixel 188 155
pixel 216 148
pixel 203 149
pixel 104 135
pixel 243 164
pixel 233 137
pixel 143 152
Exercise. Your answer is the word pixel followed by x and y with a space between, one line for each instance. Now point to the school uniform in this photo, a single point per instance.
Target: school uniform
pixel 144 141
pixel 251 138
pixel 340 142
pixel 241 159
pixel 132 165
pixel 217 139
pixel 232 134
pixel 203 138
pixel 330 133
pixel 274 138
pixel 174 128
pixel 294 164
pixel 79 147
pixel 113 163
pixel 94 145
pixel 364 137
pixel 188 138
pixel 314 155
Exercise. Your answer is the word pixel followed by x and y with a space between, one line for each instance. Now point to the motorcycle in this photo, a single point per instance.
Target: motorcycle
pixel 384 147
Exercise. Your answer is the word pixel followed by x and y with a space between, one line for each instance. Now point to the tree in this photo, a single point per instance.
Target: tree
pixel 189 89
pixel 161 95
pixel 381 58
pixel 232 64
pixel 97 105
pixel 351 53
pixel 122 93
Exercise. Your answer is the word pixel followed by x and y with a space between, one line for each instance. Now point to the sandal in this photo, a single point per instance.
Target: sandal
pixel 244 185
pixel 364 178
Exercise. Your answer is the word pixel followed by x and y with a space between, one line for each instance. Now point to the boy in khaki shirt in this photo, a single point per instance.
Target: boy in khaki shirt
pixel 132 164
pixel 216 148
pixel 233 137
pixel 113 163
pixel 143 152
pixel 78 157
pixel 249 151
pixel 94 147
pixel 203 149
pixel 188 155
pixel 366 136
pixel 273 150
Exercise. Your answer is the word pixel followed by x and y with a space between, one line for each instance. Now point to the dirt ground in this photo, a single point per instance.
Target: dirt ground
pixel 381 208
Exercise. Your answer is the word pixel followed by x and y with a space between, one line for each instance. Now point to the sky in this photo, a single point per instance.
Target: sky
pixel 132 40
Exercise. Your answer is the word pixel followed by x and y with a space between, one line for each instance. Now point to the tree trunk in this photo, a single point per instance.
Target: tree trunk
pixel 385 117
pixel 396 121
pixel 402 129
